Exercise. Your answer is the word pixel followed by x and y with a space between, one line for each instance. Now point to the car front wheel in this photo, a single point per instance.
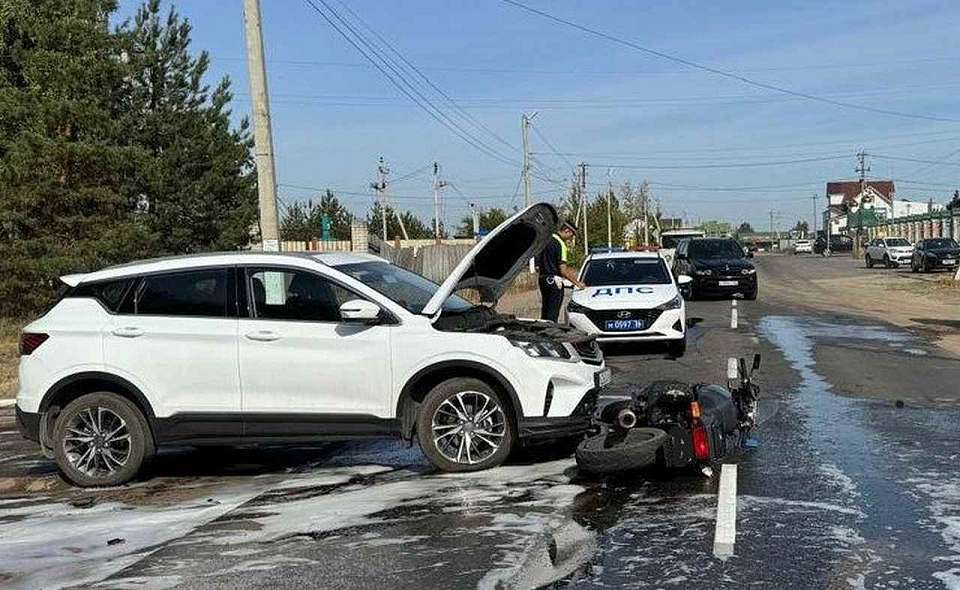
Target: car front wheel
pixel 464 425
pixel 101 439
pixel 869 261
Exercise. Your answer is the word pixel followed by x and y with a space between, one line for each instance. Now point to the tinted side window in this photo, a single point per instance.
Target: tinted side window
pixel 283 294
pixel 108 293
pixel 193 293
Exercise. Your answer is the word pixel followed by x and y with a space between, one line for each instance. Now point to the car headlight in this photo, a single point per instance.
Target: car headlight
pixel 674 303
pixel 543 349
pixel 703 273
pixel 748 271
pixel 573 307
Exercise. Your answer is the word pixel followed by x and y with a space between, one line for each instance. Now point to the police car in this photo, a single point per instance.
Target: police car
pixel 630 297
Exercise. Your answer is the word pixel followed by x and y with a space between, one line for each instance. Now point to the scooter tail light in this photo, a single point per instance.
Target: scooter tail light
pixel 701 445
pixel 695 410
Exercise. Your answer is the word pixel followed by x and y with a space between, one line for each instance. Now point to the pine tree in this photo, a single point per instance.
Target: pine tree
pixel 199 186
pixel 68 170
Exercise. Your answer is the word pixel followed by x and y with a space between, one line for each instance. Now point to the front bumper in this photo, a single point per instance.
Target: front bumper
pixel 903 258
pixel 28 423
pixel 933 263
pixel 719 284
pixel 577 423
pixel 663 325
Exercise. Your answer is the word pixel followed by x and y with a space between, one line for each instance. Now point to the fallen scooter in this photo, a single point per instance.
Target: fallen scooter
pixel 675 424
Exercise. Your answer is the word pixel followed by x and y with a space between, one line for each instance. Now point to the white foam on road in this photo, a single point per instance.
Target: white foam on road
pixel 726 531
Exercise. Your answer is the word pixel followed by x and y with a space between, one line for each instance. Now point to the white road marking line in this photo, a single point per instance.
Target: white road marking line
pixel 7 403
pixel 726 531
pixel 733 370
pixel 733 318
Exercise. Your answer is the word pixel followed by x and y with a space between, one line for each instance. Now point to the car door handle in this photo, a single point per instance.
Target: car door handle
pixel 263 335
pixel 128 332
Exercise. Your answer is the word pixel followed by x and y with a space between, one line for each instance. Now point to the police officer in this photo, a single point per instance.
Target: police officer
pixel 552 268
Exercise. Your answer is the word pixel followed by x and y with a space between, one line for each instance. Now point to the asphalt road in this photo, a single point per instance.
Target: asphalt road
pixel 847 490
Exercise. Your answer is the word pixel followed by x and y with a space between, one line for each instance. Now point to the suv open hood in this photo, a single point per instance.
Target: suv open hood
pixel 491 265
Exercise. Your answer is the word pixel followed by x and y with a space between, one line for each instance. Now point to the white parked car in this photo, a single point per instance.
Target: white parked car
pixel 292 348
pixel 891 252
pixel 630 297
pixel 803 247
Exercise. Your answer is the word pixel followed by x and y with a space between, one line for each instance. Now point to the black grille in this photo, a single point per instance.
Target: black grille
pixel 600 317
pixel 589 351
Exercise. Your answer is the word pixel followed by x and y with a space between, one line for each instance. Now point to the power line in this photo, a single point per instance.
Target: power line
pixel 918 160
pixel 582 72
pixel 712 166
pixel 400 82
pixel 470 118
pixel 723 73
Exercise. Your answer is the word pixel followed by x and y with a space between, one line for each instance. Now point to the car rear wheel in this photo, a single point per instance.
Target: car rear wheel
pixel 101 439
pixel 465 425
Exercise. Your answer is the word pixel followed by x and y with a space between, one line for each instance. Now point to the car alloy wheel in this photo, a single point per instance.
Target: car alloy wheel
pixel 468 427
pixel 97 442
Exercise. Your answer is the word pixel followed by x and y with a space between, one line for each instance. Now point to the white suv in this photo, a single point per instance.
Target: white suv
pixel 288 348
pixel 891 252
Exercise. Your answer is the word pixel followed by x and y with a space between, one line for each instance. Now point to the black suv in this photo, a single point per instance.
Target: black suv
pixel 718 266
pixel 934 253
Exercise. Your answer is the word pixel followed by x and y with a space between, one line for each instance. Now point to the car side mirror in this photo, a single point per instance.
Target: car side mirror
pixel 684 280
pixel 749 253
pixel 360 311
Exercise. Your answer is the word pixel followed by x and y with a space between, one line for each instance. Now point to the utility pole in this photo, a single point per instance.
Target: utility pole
pixel 584 204
pixel 861 170
pixel 437 185
pixel 771 229
pixel 476 221
pixel 525 132
pixel 814 217
pixel 609 219
pixel 381 187
pixel 644 194
pixel 262 135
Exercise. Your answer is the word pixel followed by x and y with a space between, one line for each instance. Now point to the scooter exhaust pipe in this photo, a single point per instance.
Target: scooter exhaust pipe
pixel 626 419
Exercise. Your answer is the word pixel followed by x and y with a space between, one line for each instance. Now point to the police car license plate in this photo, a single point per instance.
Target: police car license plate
pixel 728 283
pixel 624 325
pixel 602 378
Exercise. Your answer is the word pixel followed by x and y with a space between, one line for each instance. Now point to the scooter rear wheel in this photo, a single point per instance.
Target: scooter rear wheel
pixel 611 451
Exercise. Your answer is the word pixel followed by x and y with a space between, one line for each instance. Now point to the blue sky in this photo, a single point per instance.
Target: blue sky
pixel 605 104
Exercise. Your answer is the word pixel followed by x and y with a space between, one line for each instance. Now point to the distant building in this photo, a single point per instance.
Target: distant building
pixel 878 201
pixel 845 196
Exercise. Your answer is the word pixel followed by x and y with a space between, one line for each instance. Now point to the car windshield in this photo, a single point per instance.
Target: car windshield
pixel 626 271
pixel 942 243
pixel 896 242
pixel 671 241
pixel 714 249
pixel 408 289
